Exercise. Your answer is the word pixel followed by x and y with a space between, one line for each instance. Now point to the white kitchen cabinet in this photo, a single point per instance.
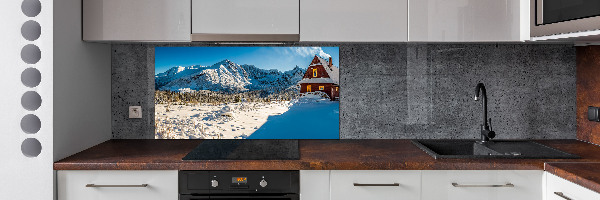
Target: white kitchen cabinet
pixel 314 184
pixel 136 20
pixel 244 20
pixel 354 20
pixel 482 184
pixel 468 20
pixel 117 185
pixel 561 189
pixel 379 184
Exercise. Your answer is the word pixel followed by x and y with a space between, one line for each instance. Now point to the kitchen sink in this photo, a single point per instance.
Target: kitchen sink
pixel 491 149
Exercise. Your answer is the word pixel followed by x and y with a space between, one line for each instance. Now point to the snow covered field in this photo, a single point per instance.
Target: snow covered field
pixel 298 119
pixel 207 121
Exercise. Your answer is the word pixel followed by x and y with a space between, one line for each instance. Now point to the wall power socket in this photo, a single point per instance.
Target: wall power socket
pixel 135 112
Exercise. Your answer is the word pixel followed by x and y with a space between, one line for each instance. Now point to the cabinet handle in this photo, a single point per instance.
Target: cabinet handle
pixel 560 194
pixel 505 185
pixel 362 184
pixel 94 185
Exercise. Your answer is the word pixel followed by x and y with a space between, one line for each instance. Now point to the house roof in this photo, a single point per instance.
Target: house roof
pixel 333 72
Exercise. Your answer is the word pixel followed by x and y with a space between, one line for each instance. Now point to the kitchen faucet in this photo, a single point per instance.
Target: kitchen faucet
pixel 486 129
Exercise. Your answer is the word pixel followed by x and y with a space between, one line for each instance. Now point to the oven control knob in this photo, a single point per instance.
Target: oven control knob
pixel 263 183
pixel 214 183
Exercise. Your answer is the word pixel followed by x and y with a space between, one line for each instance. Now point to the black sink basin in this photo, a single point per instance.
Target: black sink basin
pixel 493 149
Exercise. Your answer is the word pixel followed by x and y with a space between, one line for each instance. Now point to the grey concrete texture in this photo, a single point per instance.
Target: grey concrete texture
pixel 408 91
pixel 426 91
pixel 132 85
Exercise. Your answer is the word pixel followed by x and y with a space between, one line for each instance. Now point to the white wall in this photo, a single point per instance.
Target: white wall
pixel 82 84
pixel 75 92
pixel 24 177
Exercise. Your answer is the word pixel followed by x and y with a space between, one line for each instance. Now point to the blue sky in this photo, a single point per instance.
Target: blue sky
pixel 280 58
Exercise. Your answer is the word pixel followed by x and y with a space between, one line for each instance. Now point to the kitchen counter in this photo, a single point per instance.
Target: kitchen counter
pixel 332 155
pixel 314 155
pixel 581 173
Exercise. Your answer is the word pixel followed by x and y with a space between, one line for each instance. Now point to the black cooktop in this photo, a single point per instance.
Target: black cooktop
pixel 236 149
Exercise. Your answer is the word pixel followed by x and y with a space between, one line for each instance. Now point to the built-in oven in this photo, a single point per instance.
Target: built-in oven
pixel 553 17
pixel 234 185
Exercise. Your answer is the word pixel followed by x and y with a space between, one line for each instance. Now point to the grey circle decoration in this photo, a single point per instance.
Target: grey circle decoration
pixel 31 77
pixel 31 147
pixel 31 30
pixel 31 54
pixel 31 124
pixel 31 8
pixel 31 100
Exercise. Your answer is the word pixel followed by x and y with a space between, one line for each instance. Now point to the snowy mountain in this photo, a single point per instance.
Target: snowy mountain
pixel 227 76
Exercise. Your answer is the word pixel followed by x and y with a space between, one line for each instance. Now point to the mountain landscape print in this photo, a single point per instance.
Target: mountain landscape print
pixel 247 92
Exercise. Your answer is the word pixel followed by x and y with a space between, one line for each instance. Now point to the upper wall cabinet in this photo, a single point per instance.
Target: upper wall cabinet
pixel 136 20
pixel 468 20
pixel 245 20
pixel 354 20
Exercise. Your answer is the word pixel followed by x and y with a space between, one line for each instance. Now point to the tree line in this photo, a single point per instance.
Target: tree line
pixel 212 97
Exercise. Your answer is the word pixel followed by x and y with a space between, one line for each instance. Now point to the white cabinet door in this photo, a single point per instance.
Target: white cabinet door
pixel 136 20
pixel 468 20
pixel 375 185
pixel 117 185
pixel 482 184
pixel 245 17
pixel 354 20
pixel 314 185
pixel 561 189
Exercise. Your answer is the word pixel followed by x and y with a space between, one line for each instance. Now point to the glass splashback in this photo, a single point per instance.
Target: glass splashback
pixel 247 92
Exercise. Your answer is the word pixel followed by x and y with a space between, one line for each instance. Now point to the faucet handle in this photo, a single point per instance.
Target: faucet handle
pixel 491 124
pixel 491 134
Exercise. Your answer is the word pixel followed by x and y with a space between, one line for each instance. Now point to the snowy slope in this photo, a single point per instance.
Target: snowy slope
pixel 227 76
pixel 287 126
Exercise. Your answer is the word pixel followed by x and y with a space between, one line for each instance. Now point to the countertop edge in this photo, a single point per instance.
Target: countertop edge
pixel 578 179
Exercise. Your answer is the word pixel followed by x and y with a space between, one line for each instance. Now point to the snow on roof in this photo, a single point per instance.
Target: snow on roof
pixel 333 71
pixel 316 80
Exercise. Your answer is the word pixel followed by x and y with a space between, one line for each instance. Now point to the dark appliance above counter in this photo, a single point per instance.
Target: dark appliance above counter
pixel 235 149
pixel 556 19
pixel 555 11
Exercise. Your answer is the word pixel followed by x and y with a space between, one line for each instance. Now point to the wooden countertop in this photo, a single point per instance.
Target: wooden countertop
pixel 314 155
pixel 332 155
pixel 581 173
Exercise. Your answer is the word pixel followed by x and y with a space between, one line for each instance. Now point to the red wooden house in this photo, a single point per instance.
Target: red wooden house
pixel 321 76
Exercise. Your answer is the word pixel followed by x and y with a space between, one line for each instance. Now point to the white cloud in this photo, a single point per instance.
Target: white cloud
pixel 311 51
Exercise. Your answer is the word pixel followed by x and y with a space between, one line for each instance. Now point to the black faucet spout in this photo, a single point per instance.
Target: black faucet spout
pixel 481 88
pixel 486 132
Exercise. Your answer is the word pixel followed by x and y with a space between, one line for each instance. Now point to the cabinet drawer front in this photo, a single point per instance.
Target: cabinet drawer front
pixel 136 20
pixel 117 185
pixel 314 184
pixel 456 21
pixel 482 184
pixel 380 185
pixel 567 189
pixel 246 17
pixel 354 20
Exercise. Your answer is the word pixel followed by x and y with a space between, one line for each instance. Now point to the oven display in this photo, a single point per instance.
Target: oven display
pixel 239 180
